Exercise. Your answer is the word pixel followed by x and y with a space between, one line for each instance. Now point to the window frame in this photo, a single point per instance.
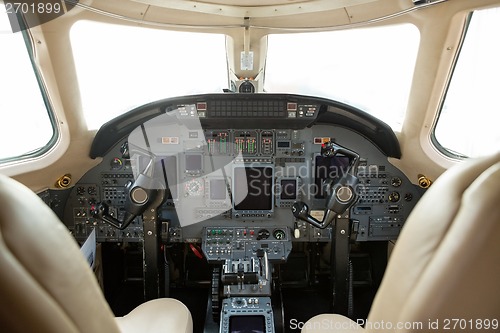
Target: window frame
pixel 435 142
pixel 447 152
pixel 28 41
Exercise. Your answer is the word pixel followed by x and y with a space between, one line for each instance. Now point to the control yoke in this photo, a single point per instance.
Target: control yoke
pixel 340 196
pixel 139 194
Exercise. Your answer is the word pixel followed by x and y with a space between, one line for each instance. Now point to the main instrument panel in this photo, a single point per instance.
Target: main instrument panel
pixel 238 183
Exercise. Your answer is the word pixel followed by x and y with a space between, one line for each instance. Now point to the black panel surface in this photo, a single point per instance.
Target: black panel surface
pixel 247 111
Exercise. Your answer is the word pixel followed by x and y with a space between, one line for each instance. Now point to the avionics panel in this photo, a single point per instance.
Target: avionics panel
pixel 193 164
pixel 247 314
pixel 217 189
pixel 253 190
pixel 287 191
pixel 245 142
pixel 221 243
pixel 220 185
pixel 266 143
pixel 252 323
pixel 218 142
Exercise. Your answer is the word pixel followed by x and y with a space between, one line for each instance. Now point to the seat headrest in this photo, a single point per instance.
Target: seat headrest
pixel 45 283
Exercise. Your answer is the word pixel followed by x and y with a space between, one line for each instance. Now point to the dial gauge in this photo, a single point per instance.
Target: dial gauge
pixel 279 234
pixel 263 234
pixel 396 181
pixel 116 164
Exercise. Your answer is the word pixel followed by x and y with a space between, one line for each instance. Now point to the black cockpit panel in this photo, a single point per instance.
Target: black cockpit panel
pixel 209 149
pixel 270 111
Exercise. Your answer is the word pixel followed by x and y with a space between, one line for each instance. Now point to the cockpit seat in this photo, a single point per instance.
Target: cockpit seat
pixel 444 272
pixel 47 286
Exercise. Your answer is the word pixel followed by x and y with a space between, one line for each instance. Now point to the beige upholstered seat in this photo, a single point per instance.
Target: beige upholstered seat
pixel 47 286
pixel 445 268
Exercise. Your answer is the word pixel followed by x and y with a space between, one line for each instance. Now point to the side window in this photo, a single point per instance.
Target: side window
pixel 468 122
pixel 26 127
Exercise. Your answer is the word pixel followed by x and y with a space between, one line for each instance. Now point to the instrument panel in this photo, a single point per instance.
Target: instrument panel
pixel 223 173
pixel 241 178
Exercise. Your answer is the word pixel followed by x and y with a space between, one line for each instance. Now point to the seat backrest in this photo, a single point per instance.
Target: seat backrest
pixel 446 263
pixel 45 283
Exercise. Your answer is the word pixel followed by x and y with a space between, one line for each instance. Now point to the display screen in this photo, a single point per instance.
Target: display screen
pixel 218 189
pixel 244 324
pixel 253 188
pixel 328 168
pixel 283 144
pixel 193 163
pixel 288 189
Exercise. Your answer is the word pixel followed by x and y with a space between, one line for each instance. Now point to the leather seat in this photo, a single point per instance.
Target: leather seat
pixel 444 271
pixel 47 286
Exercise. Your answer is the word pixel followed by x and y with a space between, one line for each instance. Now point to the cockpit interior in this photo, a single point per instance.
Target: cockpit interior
pixel 221 166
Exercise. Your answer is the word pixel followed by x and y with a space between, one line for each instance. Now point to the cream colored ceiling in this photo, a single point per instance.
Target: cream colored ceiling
pixel 254 8
pixel 255 3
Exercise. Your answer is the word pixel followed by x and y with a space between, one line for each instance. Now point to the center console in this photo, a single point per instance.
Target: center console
pixel 246 255
pixel 247 314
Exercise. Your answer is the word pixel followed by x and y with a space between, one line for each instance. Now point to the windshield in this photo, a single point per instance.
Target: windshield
pixel 370 68
pixel 120 67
